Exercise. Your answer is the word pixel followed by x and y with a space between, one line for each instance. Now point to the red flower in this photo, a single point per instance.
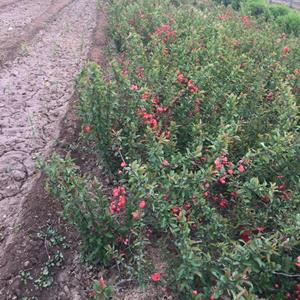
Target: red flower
pixel 285 196
pixel 298 264
pixel 167 134
pixel 155 277
pixel 245 235
pixel 265 199
pixel 165 163
pixel 87 129
pixel 270 96
pixel 122 201
pixel 181 78
pixel 195 292
pixel 286 50
pixel 140 72
pixel 162 28
pixel 142 204
pixel 160 110
pixel 222 180
pixel 147 116
pixel 165 197
pixel 155 101
pixel 230 172
pixel 102 283
pixel 176 210
pixel 223 203
pixel 152 123
pixel 124 73
pixel 136 215
pixel 218 164
pixel 241 169
pixel 187 206
pixel 212 297
pixel 193 89
pixel 123 164
pixel 134 87
pixel 245 20
pixel 116 192
pixel 233 195
pixel 281 187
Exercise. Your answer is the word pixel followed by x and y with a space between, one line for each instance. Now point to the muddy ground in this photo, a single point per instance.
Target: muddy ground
pixel 43 45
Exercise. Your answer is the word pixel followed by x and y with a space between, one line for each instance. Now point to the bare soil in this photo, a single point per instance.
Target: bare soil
pixel 43 45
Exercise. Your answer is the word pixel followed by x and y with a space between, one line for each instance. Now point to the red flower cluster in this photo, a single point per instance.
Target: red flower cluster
pixel 150 120
pixel 165 30
pixel 284 195
pixel 296 292
pixel 140 72
pixel 191 86
pixel 134 87
pixel 119 200
pixel 246 20
pixel 245 234
pixel 223 163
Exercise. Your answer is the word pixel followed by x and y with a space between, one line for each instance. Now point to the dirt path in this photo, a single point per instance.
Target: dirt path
pixel 28 9
pixel 54 38
pixel 21 21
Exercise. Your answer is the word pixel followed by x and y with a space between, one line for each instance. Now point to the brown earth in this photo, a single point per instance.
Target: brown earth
pixel 43 46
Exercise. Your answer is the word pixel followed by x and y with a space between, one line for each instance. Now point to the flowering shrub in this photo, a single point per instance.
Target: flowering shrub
pixel 197 120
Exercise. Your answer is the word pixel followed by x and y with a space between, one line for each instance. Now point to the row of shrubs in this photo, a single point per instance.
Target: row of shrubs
pixel 286 18
pixel 196 120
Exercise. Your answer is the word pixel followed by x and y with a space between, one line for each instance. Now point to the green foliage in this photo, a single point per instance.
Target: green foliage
pixel 235 4
pixel 290 23
pixel 189 120
pixel 278 10
pixel 257 8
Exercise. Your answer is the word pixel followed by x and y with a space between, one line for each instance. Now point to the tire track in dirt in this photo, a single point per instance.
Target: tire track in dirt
pixel 34 94
pixel 18 15
pixel 16 42
pixel 5 3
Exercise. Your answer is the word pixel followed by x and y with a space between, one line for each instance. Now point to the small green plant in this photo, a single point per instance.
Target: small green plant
pixel 25 277
pixel 101 291
pixel 53 242
pixel 45 278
